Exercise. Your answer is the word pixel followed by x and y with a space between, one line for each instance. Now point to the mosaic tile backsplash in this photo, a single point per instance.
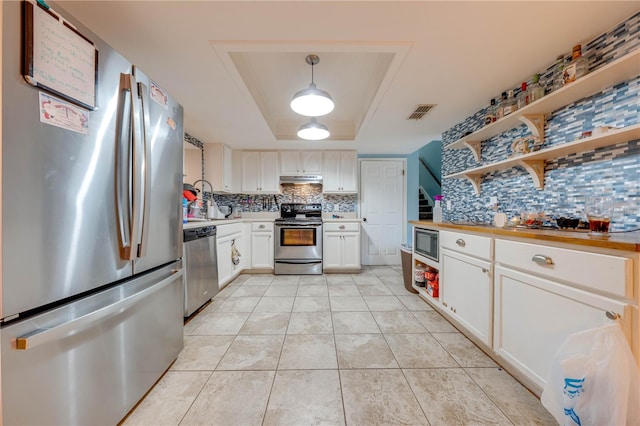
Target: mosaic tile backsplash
pixel 310 193
pixel 611 171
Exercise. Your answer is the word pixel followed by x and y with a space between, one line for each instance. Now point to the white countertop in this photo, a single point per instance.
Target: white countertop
pixel 246 217
pixel 266 217
pixel 342 219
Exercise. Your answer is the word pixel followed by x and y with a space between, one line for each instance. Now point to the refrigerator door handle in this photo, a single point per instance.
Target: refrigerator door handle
pixel 40 336
pixel 123 164
pixel 137 194
pixel 146 169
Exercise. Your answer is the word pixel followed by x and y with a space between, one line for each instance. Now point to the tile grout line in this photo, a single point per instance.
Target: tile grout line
pixel 196 397
pixel 393 288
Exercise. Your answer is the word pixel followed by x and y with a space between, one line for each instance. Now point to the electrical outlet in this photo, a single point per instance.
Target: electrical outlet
pixel 493 200
pixel 448 204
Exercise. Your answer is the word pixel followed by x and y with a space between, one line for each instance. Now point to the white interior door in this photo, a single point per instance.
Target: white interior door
pixel 382 208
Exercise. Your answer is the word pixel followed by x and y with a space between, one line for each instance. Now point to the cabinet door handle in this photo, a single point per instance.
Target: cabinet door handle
pixel 541 259
pixel 612 315
pixel 341 227
pixel 461 242
pixel 261 226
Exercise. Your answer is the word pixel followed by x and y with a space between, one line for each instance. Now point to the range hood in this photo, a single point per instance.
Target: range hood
pixel 301 179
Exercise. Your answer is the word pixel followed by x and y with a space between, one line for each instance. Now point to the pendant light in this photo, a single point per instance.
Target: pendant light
pixel 313 131
pixel 312 102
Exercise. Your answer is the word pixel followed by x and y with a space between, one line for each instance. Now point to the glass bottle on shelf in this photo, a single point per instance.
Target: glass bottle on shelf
pixel 536 91
pixel 490 114
pixel 510 104
pixel 558 69
pixel 523 97
pixel 578 66
pixel 500 107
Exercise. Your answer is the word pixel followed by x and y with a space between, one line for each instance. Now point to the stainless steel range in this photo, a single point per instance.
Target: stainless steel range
pixel 298 242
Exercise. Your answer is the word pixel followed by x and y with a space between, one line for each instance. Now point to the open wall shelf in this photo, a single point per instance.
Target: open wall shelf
pixel 534 162
pixel 613 73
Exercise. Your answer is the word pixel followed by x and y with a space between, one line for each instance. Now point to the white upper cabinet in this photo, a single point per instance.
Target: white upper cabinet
pixel 339 170
pixel 192 163
pixel 260 172
pixel 218 166
pixel 300 162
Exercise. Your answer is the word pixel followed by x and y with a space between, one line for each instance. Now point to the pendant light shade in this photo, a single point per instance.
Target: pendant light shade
pixel 312 102
pixel 313 131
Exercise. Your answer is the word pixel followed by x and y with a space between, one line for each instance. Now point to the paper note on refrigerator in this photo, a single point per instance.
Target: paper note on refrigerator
pixel 56 112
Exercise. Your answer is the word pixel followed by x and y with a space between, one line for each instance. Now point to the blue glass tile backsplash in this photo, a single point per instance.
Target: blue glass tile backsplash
pixel 612 171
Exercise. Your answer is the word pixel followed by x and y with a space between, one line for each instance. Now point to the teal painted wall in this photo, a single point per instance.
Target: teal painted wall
pixel 431 154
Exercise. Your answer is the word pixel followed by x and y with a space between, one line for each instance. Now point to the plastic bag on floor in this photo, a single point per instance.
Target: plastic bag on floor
pixel 594 380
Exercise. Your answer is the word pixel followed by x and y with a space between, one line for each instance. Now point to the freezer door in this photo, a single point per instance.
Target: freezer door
pixel 90 362
pixel 161 237
pixel 59 221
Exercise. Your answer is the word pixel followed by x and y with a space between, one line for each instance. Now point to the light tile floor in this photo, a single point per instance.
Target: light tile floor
pixel 332 349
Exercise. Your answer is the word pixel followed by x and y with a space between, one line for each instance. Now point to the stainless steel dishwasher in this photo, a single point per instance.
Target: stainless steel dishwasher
pixel 201 269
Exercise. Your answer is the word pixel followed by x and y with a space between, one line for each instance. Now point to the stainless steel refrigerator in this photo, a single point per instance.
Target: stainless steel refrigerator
pixel 92 291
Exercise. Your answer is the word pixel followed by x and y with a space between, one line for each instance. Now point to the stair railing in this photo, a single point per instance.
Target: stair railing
pixel 426 195
pixel 429 171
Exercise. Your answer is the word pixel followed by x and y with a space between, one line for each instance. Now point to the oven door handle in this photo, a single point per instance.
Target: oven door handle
pixel 298 225
pixel 298 262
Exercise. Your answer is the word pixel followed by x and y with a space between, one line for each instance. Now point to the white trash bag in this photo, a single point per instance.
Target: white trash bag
pixel 594 380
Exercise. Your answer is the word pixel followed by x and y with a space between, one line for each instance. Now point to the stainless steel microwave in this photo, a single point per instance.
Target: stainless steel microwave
pixel 425 243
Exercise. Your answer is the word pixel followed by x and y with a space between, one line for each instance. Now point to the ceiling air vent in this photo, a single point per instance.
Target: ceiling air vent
pixel 420 111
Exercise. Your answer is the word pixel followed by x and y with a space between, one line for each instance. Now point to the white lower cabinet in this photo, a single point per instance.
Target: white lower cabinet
pixel 225 270
pixel 533 316
pixel 341 245
pixel 228 237
pixel 466 292
pixel 519 300
pixel 262 245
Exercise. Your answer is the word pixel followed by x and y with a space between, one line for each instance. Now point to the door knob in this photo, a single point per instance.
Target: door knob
pixel 364 219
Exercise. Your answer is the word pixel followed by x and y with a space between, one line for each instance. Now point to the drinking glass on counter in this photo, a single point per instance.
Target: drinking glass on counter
pixel 599 211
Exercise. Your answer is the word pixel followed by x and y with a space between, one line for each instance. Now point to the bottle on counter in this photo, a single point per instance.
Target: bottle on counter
pixel 558 71
pixel 510 104
pixel 578 67
pixel 437 209
pixel 185 205
pixel 536 91
pixel 490 115
pixel 523 97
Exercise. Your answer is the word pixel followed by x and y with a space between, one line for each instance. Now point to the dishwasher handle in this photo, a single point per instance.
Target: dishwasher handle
pixel 195 233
